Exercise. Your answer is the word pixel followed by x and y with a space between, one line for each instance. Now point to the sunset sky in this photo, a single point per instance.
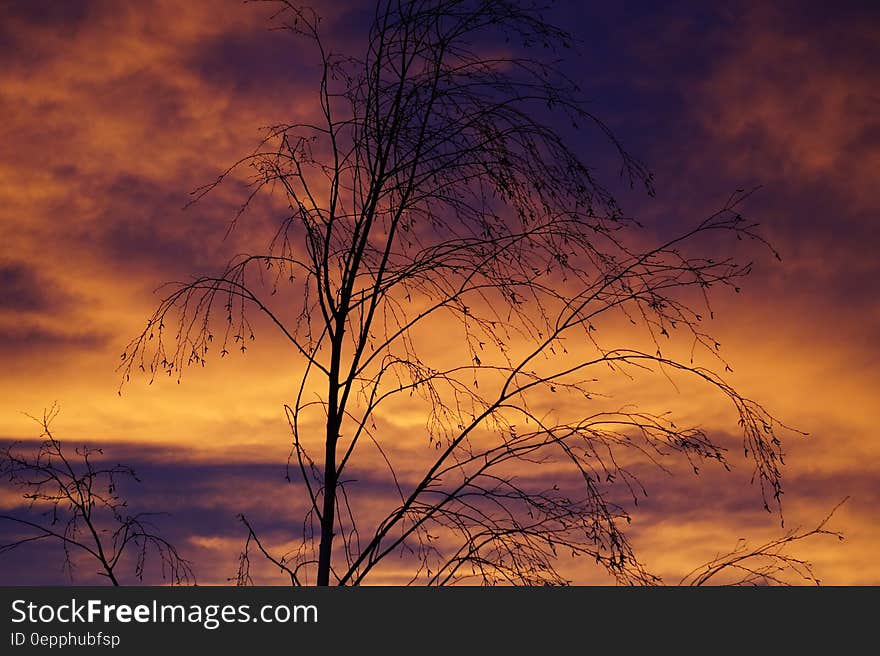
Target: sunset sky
pixel 113 113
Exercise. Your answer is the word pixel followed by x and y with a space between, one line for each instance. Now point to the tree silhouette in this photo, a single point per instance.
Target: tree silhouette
pixel 79 505
pixel 446 244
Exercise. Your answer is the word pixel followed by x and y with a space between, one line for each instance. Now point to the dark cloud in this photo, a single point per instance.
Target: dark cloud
pixel 41 345
pixel 22 289
pixel 160 105
pixel 144 225
pixel 200 500
pixel 254 61
pixel 27 29
pixel 61 15
pixel 31 307
pixel 199 503
pixel 859 486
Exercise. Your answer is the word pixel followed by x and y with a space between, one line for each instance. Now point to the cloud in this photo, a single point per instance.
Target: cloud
pixel 21 289
pixel 684 520
pixel 793 105
pixel 17 342
pixel 114 113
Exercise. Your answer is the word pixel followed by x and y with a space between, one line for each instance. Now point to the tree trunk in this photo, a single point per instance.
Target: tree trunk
pixel 334 423
pixel 328 512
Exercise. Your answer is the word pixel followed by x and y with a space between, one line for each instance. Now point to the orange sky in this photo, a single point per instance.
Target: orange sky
pixel 114 112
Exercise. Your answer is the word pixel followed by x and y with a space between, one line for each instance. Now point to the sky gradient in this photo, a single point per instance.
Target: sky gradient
pixel 113 113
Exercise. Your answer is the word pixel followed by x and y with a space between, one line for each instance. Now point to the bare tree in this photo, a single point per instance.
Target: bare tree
pixel 78 504
pixel 435 197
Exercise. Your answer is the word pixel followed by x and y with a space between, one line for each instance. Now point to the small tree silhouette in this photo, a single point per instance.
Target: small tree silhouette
pixel 79 505
pixel 435 200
